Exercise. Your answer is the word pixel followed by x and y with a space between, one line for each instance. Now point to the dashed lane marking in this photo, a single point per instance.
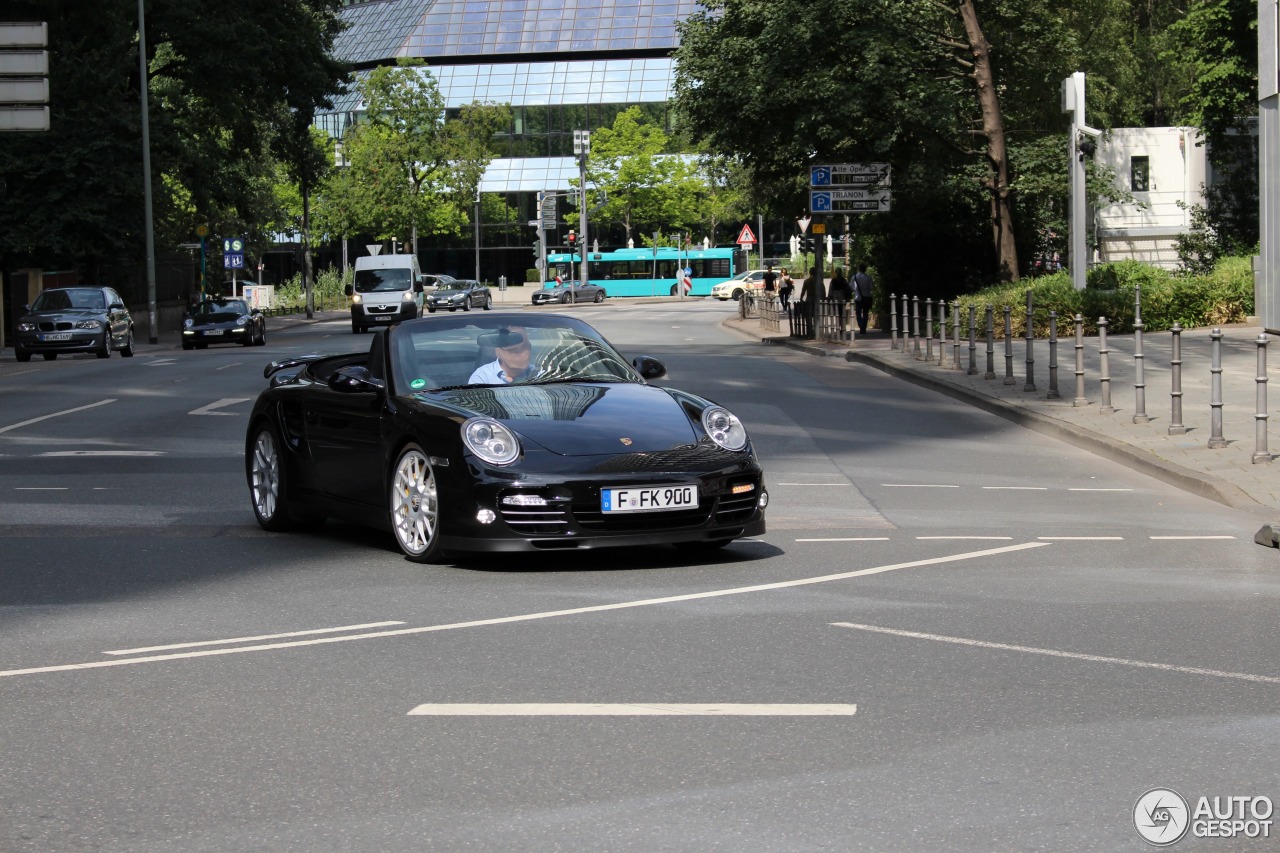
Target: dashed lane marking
pixel 647 709
pixel 254 639
pixel 982 644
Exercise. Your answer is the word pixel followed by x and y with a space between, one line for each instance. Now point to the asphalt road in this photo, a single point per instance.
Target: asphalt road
pixel 956 635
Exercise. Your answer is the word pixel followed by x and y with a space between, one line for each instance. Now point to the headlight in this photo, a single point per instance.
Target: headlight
pixel 408 296
pixel 724 428
pixel 188 323
pixel 356 299
pixel 491 441
pixel 89 324
pixel 26 327
pixel 242 320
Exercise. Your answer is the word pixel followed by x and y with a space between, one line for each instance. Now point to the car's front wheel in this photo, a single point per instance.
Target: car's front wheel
pixel 466 304
pixel 599 296
pixel 415 506
pixel 127 349
pixel 267 480
pixel 22 354
pixel 104 349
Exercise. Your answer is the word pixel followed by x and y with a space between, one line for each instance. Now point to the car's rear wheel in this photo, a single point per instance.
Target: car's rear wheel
pixel 415 507
pixel 267 480
pixel 104 349
pixel 127 349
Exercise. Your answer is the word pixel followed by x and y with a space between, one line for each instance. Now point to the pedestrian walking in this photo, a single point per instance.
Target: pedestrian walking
pixel 786 287
pixel 863 288
pixel 841 293
pixel 770 282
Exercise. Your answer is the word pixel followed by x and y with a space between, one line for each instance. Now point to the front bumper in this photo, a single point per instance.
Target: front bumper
pixel 365 314
pixel 79 340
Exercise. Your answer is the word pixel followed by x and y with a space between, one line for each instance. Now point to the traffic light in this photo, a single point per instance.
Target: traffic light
pixel 573 241
pixel 806 244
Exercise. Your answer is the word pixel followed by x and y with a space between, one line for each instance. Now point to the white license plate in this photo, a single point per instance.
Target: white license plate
pixel 647 498
pixel 209 332
pixel 60 336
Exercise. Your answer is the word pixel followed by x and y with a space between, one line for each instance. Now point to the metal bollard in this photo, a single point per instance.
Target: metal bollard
pixel 973 340
pixel 1139 375
pixel 1104 368
pixel 1053 357
pixel 991 344
pixel 942 329
pixel 1175 415
pixel 1031 337
pixel 928 329
pixel 1079 400
pixel 915 327
pixel 1215 391
pixel 1008 346
pixel 893 322
pixel 955 340
pixel 906 323
pixel 1260 453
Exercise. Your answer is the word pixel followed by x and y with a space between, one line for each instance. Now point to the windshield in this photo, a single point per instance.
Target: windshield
pixel 221 306
pixel 63 300
pixel 455 353
pixel 378 281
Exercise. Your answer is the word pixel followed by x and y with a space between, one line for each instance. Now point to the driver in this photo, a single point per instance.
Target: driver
pixel 513 362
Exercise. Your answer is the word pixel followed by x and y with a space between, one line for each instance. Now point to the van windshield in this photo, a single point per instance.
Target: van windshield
pixel 376 281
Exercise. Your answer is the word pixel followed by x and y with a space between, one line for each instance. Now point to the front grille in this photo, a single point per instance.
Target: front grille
pixel 62 326
pixel 736 509
pixel 536 521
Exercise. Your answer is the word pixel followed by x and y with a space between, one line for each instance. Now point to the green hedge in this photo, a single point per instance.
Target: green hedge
pixel 328 291
pixel 1193 301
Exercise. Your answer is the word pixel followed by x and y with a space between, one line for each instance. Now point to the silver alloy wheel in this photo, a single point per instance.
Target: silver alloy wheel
pixel 264 478
pixel 414 505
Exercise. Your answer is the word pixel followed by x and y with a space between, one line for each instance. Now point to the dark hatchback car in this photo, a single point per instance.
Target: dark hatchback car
pixel 568 292
pixel 223 321
pixel 459 293
pixel 75 319
pixel 420 435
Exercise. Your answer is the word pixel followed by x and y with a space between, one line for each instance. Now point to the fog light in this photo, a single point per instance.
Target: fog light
pixel 763 501
pixel 486 516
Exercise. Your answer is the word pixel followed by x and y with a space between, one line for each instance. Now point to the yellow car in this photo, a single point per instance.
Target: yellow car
pixel 752 280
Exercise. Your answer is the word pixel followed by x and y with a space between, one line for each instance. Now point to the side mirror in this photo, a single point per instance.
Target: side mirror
pixel 116 306
pixel 348 290
pixel 649 367
pixel 355 378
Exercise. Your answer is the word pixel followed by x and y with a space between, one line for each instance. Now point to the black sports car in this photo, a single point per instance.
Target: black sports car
pixel 223 321
pixel 501 432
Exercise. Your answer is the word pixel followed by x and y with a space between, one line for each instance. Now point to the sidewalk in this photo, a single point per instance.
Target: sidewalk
pixel 1228 474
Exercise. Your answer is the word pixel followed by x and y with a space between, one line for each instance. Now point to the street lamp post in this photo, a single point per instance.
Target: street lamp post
pixel 581 148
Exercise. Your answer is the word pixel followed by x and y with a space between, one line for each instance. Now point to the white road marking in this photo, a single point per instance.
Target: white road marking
pixel 225 401
pixel 39 488
pixel 1099 490
pixel 1081 538
pixel 161 362
pixel 994 538
pixel 255 639
pixel 813 484
pixel 849 539
pixel 529 617
pixel 56 415
pixel 918 486
pixel 103 453
pixel 1017 488
pixel 1192 537
pixel 962 641
pixel 655 709
pixel 18 373
pixel 225 366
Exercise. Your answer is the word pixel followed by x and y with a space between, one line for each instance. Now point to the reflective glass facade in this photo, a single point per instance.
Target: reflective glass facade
pixel 561 65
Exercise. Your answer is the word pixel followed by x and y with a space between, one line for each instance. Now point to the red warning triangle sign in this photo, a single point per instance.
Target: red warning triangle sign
pixel 746 236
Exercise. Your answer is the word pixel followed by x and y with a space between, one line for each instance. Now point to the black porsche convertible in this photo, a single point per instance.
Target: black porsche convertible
pixel 499 433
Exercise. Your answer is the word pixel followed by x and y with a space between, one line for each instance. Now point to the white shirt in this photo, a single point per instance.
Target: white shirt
pixel 493 374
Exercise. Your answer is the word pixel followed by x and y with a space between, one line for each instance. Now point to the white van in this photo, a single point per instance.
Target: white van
pixel 387 289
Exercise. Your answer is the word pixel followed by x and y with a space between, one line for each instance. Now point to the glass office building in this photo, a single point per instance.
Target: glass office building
pixel 562 65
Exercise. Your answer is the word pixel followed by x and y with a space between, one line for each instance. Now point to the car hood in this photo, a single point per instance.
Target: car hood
pixel 70 314
pixel 583 419
pixel 214 319
pixel 449 291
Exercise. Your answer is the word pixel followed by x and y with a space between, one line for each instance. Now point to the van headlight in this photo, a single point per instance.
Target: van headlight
pixel 724 428
pixel 356 299
pixel 408 296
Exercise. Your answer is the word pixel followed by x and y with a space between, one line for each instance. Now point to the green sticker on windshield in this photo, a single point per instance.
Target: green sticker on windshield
pixel 418 383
